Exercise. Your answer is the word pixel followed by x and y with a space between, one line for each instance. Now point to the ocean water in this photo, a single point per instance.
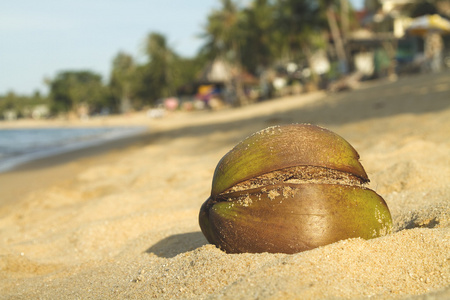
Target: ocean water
pixel 18 146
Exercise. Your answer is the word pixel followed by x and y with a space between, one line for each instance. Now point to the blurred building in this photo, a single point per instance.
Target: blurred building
pixel 384 37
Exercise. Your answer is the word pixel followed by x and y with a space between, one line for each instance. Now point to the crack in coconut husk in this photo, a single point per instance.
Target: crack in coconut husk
pixel 298 175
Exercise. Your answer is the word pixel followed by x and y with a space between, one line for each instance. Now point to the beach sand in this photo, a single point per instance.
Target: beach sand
pixel 120 221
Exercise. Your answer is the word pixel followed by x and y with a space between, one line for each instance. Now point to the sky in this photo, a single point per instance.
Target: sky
pixel 39 39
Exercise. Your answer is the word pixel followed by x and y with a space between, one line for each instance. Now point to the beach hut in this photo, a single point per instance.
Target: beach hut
pixel 217 71
pixel 229 82
pixel 426 24
pixel 431 28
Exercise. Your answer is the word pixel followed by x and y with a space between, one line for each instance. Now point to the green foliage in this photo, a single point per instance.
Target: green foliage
pixel 123 81
pixel 259 43
pixel 420 8
pixel 20 105
pixel 223 32
pixel 72 89
pixel 164 72
pixel 158 77
pixel 300 23
pixel 265 32
pixel 161 69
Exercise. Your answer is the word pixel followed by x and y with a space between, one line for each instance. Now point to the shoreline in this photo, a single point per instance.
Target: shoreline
pixel 40 173
pixel 13 162
pixel 126 120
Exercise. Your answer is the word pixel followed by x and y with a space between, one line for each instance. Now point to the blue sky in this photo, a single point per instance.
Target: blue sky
pixel 39 38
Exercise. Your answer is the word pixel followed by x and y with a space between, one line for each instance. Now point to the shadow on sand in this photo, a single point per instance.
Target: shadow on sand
pixel 178 243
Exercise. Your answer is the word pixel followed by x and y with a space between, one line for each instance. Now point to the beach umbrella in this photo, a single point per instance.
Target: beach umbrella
pixel 428 23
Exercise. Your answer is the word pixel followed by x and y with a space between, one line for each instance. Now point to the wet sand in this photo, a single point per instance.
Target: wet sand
pixel 120 221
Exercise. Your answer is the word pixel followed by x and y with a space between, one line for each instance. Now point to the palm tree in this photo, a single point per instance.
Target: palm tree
pixel 301 25
pixel 162 64
pixel 225 37
pixel 123 80
pixel 71 90
pixel 223 32
pixel 258 27
pixel 329 6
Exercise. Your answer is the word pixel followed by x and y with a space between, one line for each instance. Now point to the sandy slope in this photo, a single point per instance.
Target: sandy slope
pixel 124 224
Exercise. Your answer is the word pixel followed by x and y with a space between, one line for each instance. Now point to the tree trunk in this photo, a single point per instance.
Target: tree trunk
pixel 340 51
